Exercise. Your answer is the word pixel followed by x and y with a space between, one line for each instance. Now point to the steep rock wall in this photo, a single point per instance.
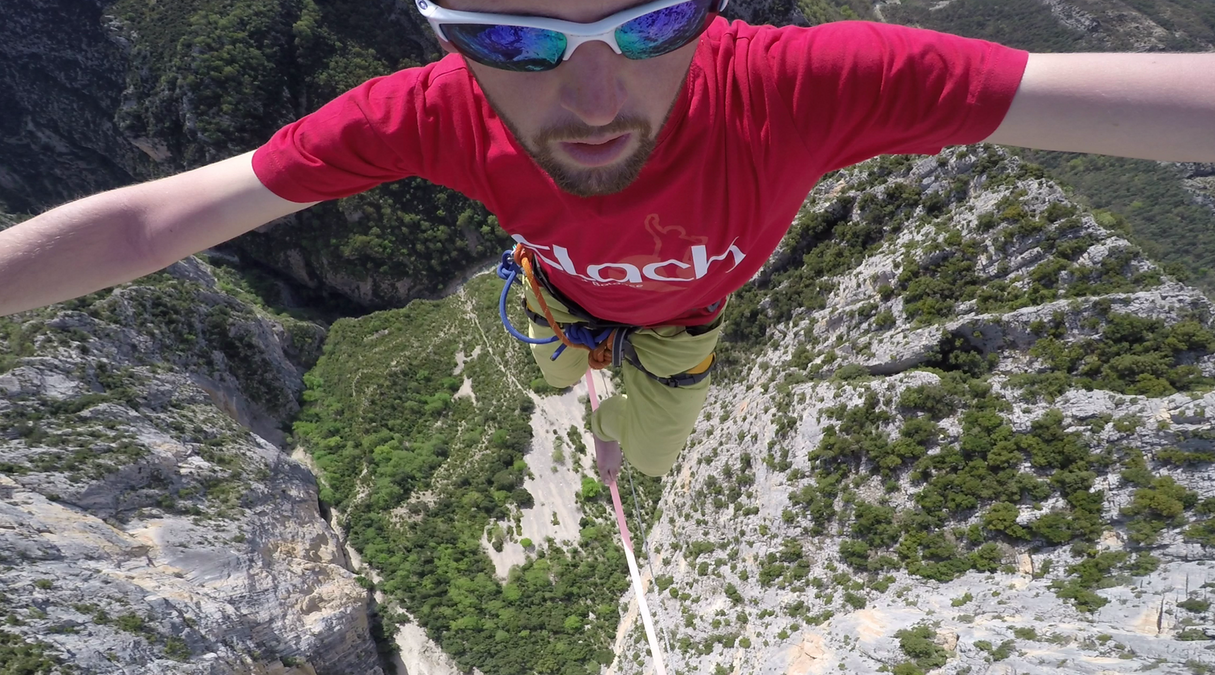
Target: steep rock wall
pixel 142 527
pixel 787 536
pixel 63 73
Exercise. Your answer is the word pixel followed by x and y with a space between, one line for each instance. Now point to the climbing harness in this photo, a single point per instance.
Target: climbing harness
pixel 638 590
pixel 603 341
pixel 607 343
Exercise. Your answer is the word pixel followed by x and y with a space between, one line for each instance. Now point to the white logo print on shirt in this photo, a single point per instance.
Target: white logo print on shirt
pixel 658 271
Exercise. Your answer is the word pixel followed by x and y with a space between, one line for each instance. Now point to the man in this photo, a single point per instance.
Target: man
pixel 649 155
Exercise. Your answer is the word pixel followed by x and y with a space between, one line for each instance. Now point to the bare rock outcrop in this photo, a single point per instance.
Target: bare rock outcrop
pixel 142 526
pixel 803 529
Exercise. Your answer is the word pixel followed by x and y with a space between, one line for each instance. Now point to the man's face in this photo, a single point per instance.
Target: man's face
pixel 592 122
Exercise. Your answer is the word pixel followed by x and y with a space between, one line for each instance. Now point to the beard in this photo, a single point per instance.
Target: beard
pixel 594 181
pixel 591 181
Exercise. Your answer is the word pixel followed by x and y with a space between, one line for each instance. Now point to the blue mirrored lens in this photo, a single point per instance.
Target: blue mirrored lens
pixel 508 47
pixel 662 30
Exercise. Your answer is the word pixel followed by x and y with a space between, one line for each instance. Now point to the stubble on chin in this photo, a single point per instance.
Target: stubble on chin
pixel 593 181
pixel 581 181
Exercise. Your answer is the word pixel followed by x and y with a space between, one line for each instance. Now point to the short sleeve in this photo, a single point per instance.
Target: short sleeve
pixel 859 89
pixel 386 129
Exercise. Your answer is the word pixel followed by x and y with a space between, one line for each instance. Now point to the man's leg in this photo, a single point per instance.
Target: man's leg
pixel 564 372
pixel 652 421
pixel 571 365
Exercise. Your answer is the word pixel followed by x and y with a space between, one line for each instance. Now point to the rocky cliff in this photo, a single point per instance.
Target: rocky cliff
pixel 987 450
pixel 962 422
pixel 142 527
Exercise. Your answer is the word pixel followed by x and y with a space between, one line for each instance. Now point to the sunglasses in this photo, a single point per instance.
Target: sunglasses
pixel 532 43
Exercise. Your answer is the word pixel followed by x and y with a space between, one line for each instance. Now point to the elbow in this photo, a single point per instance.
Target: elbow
pixel 144 236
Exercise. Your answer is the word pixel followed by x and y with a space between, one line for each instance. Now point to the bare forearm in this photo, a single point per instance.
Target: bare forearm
pixel 70 251
pixel 122 235
pixel 1151 106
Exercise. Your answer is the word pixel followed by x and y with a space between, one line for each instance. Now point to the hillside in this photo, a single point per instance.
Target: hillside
pixel 950 381
pixel 146 522
pixel 975 436
pixel 1170 214
pixel 962 420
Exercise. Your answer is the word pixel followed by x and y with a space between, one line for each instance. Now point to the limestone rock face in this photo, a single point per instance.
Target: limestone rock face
pixel 142 528
pixel 761 518
pixel 1199 179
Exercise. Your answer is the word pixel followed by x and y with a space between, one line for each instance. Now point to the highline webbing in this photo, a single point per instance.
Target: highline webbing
pixel 638 590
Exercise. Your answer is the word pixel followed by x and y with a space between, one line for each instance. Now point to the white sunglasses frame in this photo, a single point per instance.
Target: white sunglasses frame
pixel 576 34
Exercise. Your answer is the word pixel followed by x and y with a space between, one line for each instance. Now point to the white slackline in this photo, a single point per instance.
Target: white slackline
pixel 650 633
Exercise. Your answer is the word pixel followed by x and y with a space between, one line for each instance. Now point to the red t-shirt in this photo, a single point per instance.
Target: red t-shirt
pixel 764 114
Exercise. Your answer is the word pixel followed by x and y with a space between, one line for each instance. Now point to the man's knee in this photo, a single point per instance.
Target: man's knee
pixel 565 371
pixel 650 439
pixel 653 462
pixel 561 380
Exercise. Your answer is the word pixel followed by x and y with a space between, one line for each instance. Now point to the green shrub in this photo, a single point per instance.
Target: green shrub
pixel 22 656
pixel 854 600
pixel 919 645
pixel 131 623
pixel 851 371
pixel 1143 565
pixel 1195 605
pixel 1026 633
pixel 1004 651
pixel 176 649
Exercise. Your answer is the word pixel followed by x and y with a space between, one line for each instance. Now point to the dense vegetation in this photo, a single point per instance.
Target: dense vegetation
pixel 829 240
pixel 1025 24
pixel 991 472
pixel 19 656
pixel 1164 218
pixel 822 11
pixel 424 478
pixel 1190 24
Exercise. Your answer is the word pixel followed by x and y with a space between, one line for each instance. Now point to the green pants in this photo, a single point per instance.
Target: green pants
pixel 651 421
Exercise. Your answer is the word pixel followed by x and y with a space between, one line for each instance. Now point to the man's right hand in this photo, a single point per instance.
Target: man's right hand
pixel 117 236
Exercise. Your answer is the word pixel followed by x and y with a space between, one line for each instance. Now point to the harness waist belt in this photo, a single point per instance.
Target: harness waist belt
pixel 623 351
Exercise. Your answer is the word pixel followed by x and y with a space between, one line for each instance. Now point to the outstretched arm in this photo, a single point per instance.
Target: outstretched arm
pixel 123 234
pixel 1150 106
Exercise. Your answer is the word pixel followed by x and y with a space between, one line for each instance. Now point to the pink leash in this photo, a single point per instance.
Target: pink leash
pixel 638 591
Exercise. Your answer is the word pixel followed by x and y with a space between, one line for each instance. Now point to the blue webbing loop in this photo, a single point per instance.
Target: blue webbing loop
pixel 509 271
pixel 582 335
